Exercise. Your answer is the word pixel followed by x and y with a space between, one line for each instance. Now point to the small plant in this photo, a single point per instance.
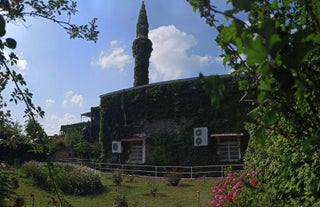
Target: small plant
pixel 117 177
pixel 131 178
pixel 120 200
pixel 153 189
pixel 173 178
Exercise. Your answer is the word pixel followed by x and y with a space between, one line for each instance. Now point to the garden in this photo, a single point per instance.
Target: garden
pixel 93 188
pixel 273 50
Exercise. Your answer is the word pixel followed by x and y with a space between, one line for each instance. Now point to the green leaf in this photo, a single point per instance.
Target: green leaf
pixel 261 135
pixel 255 50
pixel 2 26
pixel 242 4
pixel 11 43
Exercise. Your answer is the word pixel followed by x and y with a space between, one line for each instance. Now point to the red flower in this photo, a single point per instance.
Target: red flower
pixel 254 182
pixel 229 198
pixel 54 202
pixel 32 195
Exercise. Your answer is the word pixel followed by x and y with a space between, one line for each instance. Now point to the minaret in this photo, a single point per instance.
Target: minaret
pixel 141 49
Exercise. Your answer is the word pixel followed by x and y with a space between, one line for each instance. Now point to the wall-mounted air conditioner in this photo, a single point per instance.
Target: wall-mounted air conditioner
pixel 116 147
pixel 200 136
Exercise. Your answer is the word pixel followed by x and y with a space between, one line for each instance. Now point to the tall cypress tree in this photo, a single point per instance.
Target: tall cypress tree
pixel 141 48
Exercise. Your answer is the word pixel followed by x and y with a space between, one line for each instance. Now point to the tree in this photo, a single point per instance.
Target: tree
pixel 34 129
pixel 12 10
pixel 141 48
pixel 274 49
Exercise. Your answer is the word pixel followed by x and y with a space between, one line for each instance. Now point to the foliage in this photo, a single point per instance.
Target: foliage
pixel 72 137
pixel 57 143
pixel 120 200
pixel 290 178
pixel 71 179
pixel 12 10
pixel 153 188
pixel 7 186
pixel 184 103
pixel 173 178
pixel 117 177
pixel 229 190
pixel 274 47
pixel 141 49
pixel 33 129
pixel 184 195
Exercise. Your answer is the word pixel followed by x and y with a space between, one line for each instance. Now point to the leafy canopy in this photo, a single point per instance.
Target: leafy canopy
pixel 274 48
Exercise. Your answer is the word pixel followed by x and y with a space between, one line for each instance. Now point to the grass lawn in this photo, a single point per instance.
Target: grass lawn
pixel 137 193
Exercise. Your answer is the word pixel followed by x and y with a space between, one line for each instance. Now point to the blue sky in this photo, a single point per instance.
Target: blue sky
pixel 68 76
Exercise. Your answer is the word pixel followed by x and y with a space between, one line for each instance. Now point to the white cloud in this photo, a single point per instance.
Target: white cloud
pixel 114 57
pixel 68 94
pixel 77 100
pixel 49 102
pixel 52 123
pixel 73 98
pixel 21 65
pixel 170 58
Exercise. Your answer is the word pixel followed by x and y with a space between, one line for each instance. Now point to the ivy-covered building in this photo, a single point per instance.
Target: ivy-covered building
pixel 195 121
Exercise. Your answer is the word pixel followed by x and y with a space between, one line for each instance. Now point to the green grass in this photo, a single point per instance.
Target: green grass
pixel 185 194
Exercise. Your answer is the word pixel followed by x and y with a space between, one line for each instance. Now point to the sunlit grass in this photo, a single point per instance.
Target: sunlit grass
pixel 137 192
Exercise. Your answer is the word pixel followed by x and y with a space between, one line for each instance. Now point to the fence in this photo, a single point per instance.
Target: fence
pixel 158 171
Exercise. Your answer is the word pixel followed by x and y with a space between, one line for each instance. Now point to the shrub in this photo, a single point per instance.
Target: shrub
pixel 173 178
pixel 153 189
pixel 7 185
pixel 131 178
pixel 230 190
pixel 38 172
pixel 79 180
pixel 70 178
pixel 117 177
pixel 120 200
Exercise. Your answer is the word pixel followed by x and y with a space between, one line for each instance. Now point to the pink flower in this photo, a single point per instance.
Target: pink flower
pixel 3 165
pixel 236 186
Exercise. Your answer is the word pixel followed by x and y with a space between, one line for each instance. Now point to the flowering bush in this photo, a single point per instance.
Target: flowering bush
pixel 226 191
pixel 69 178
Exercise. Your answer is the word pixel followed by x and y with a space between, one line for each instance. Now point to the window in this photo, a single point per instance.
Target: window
pixel 229 149
pixel 137 152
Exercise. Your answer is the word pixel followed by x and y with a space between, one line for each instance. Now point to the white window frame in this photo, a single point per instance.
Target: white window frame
pixel 137 149
pixel 231 143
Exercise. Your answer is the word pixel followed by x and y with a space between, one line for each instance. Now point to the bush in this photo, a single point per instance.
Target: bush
pixel 153 189
pixel 70 178
pixel 120 200
pixel 117 177
pixel 38 172
pixel 173 178
pixel 7 185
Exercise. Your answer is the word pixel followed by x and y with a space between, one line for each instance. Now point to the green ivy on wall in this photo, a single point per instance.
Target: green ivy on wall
pixel 124 113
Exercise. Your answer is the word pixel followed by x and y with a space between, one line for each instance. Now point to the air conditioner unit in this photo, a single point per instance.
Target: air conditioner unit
pixel 200 136
pixel 116 147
